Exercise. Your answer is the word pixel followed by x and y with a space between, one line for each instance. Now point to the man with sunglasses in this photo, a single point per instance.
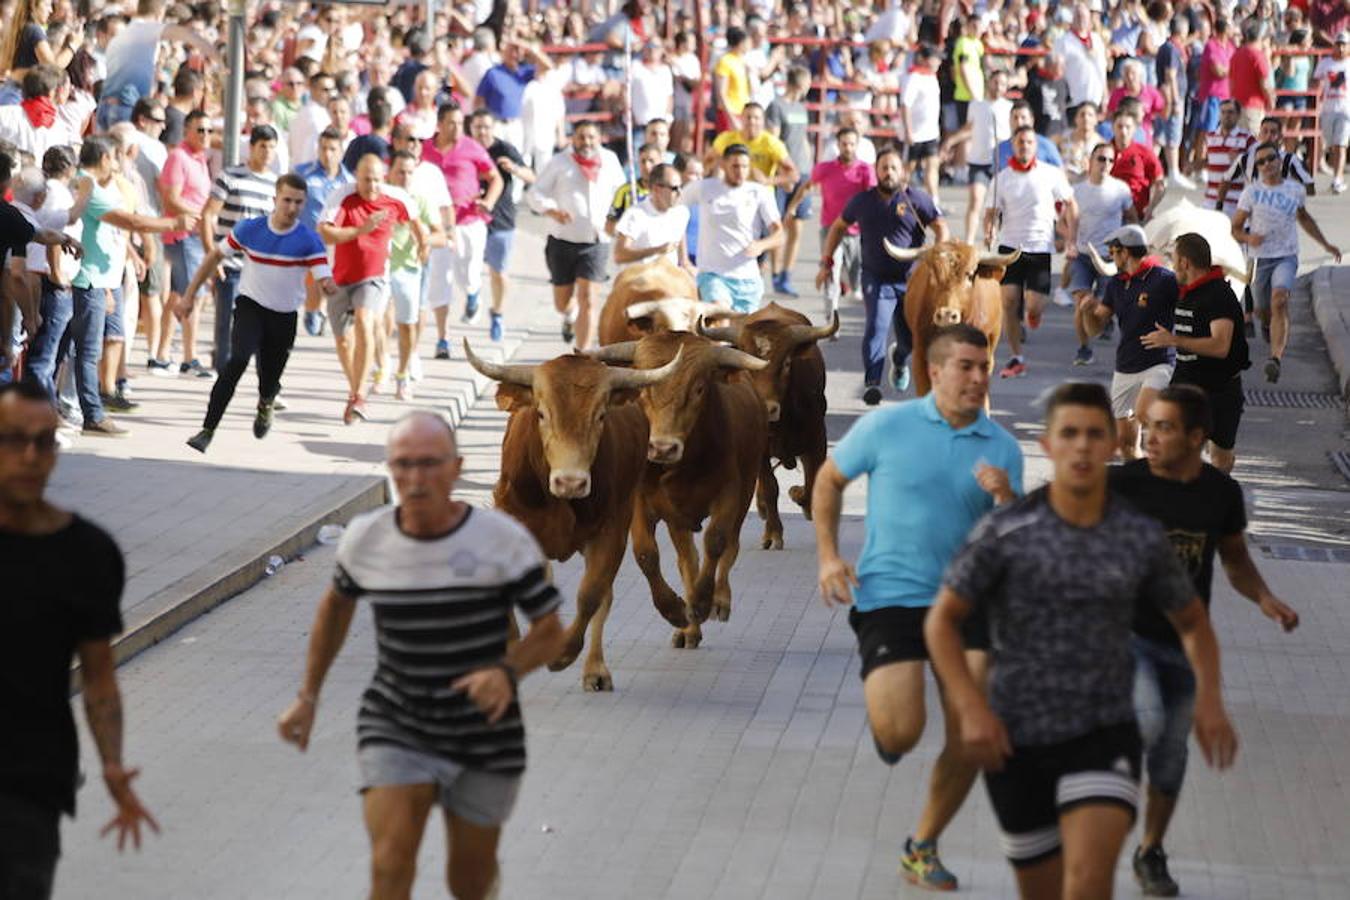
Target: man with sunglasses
pixel 1267 213
pixel 184 188
pixel 655 226
pixel 1104 204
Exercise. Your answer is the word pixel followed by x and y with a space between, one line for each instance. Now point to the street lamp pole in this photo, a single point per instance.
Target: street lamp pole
pixel 234 87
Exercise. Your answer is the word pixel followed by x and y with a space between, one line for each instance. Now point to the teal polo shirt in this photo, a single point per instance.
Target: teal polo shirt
pixel 922 497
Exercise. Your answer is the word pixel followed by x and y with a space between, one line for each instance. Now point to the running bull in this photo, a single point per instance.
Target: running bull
pixel 655 296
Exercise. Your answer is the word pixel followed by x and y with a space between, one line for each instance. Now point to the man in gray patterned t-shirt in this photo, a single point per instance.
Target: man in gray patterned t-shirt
pixel 1059 574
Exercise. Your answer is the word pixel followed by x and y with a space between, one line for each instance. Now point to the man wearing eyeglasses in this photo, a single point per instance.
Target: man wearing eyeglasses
pixel 655 227
pixel 60 610
pixel 1267 213
pixel 1104 204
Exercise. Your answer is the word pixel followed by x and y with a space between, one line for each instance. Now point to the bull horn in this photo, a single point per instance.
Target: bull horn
pixel 648 307
pixel 727 333
pixel 521 375
pixel 622 352
pixel 904 254
pixel 732 358
pixel 1102 266
pixel 620 379
pixel 1002 260
pixel 714 311
pixel 802 334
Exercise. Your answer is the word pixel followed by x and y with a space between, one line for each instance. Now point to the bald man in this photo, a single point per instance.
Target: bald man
pixel 359 221
pixel 440 724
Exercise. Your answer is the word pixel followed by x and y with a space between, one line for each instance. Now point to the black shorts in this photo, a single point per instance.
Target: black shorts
pixel 1226 405
pixel 1031 272
pixel 922 150
pixel 894 634
pixel 1039 784
pixel 568 261
pixel 981 174
pixel 30 844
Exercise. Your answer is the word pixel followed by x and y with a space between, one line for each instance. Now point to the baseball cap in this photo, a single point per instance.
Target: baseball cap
pixel 1128 236
pixel 1343 37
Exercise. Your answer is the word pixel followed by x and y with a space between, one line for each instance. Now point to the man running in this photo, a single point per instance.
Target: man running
pixel 440 724
pixel 407 267
pixel 501 231
pixel 655 227
pixel 1203 512
pixel 278 253
pixel 323 176
pixel 1026 197
pixel 1057 737
pixel 1104 204
pixel 840 180
pixel 933 466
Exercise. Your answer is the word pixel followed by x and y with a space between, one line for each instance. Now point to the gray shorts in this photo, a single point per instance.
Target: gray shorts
pixel 371 294
pixel 481 798
pixel 1336 128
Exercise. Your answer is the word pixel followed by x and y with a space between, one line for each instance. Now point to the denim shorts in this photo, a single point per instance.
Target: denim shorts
pixel 743 295
pixel 1164 700
pixel 1167 130
pixel 1083 277
pixel 497 253
pixel 1272 274
pixel 185 258
pixel 114 324
pixel 803 209
pixel 481 798
pixel 405 286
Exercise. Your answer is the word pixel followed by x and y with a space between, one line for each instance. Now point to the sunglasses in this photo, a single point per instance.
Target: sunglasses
pixel 158 120
pixel 1103 158
pixel 1268 158
pixel 673 188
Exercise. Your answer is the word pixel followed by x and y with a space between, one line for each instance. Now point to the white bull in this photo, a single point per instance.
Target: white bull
pixel 1186 218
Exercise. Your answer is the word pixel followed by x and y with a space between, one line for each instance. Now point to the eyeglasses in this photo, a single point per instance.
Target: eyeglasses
pixel 673 188
pixel 1268 158
pixel 17 441
pixel 426 463
pixel 1104 158
pixel 158 120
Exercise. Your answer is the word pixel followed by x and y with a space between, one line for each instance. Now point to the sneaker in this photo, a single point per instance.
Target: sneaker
pixel 897 375
pixel 1150 870
pixel 471 310
pixel 160 368
pixel 1061 297
pixel 65 437
pixel 1273 369
pixel 1108 331
pixel 1181 181
pixel 201 440
pixel 495 327
pixel 376 381
pixel 920 866
pixel 442 349
pixel 262 422
pixel 415 364
pixel 871 395
pixel 781 285
pixel 196 369
pixel 71 415
pixel 349 412
pixel 1265 332
pixel 314 322
pixel 278 405
pixel 1015 368
pixel 402 387
pixel 118 403
pixel 888 757
pixel 1083 357
pixel 358 405
pixel 569 333
pixel 1338 187
pixel 104 428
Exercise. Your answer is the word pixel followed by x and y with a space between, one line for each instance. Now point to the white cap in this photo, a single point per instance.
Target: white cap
pixel 1128 236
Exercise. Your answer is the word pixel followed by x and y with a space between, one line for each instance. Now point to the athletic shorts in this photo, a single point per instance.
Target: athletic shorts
pixel 922 150
pixel 1336 129
pixel 803 209
pixel 481 798
pixel 569 262
pixel 1031 272
pixel 497 253
pixel 1039 784
pixel 1206 118
pixel 153 283
pixel 892 634
pixel 1226 405
pixel 185 258
pixel 30 845
pixel 1125 387
pixel 1083 277
pixel 981 174
pixel 743 295
pixel 405 287
pixel 371 294
pixel 1272 274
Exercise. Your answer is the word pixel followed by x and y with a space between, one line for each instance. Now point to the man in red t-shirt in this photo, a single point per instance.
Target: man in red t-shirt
pixel 1249 81
pixel 1136 165
pixel 359 221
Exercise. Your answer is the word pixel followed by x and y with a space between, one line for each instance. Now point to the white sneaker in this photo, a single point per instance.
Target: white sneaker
pixel 1181 181
pixel 65 436
pixel 1061 297
pixel 415 367
pixel 1338 187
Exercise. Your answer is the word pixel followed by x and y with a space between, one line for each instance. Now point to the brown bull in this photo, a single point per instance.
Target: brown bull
pixel 655 296
pixel 708 434
pixel 951 283
pixel 792 387
pixel 573 453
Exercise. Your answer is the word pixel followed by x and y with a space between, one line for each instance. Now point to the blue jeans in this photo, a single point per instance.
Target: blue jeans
pixel 227 288
pixel 1164 699
pixel 884 302
pixel 58 308
pixel 86 332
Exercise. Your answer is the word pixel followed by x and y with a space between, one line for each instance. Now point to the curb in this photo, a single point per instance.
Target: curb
pixel 1333 316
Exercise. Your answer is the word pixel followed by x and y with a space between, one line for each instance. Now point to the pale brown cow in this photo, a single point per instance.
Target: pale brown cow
pixel 653 296
pixel 573 452
pixel 952 282
pixel 792 387
pixel 708 434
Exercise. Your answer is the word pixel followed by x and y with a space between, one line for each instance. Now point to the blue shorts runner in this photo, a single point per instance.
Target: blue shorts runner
pixel 1273 274
pixel 497 253
pixel 743 295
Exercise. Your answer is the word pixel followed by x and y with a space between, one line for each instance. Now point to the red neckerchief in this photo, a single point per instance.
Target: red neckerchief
pixel 1148 262
pixel 1214 274
pixel 1020 166
pixel 41 111
pixel 920 70
pixel 1085 39
pixel 589 167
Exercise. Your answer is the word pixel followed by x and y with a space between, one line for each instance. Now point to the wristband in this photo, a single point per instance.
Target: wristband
pixel 510 674
pixel 827 263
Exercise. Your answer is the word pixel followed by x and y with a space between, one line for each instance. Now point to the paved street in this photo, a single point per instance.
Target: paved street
pixel 741 769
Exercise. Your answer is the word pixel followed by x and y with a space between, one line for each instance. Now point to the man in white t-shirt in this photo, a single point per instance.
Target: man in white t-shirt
pixel 987 126
pixel 1104 204
pixel 653 85
pixel 920 108
pixel 733 211
pixel 1084 53
pixel 655 226
pixel 1334 102
pixel 1267 213
pixel 1026 195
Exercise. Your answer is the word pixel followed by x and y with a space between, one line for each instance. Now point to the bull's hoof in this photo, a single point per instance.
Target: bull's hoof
pixel 771 542
pixel 597 681
pixel 686 639
pixel 673 611
pixel 721 610
pixel 562 662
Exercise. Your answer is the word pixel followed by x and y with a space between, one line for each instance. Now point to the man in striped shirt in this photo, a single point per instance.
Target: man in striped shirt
pixel 277 253
pixel 239 193
pixel 1223 146
pixel 440 724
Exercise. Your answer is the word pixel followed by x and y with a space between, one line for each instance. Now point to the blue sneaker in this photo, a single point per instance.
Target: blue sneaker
pixel 495 327
pixel 920 866
pixel 314 323
pixel 782 286
pixel 899 371
pixel 470 310
pixel 442 349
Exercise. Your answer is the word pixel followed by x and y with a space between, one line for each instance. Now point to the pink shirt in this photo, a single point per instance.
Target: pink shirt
pixel 1212 85
pixel 839 184
pixel 1153 103
pixel 463 165
pixel 190 173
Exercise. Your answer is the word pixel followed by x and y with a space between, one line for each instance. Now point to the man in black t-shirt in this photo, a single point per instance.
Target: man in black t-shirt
pixel 63 582
pixel 502 228
pixel 1210 343
pixel 1202 510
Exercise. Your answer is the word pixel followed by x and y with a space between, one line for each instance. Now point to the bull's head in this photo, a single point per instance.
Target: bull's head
pixel 952 268
pixel 569 396
pixel 777 343
pixel 674 405
pixel 672 314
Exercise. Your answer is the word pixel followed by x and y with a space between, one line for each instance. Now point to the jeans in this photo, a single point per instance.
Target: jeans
pixel 58 308
pixel 884 303
pixel 1164 698
pixel 227 287
pixel 86 332
pixel 267 333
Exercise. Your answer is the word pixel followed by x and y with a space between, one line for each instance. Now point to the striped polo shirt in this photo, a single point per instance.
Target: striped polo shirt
pixel 1220 152
pixel 275 262
pixel 442 607
pixel 243 194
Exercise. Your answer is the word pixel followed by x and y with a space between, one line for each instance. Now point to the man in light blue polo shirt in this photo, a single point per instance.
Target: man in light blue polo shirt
pixel 934 466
